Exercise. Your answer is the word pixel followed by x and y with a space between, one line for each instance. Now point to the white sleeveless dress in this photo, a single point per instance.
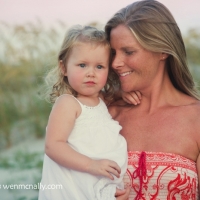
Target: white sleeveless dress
pixel 96 135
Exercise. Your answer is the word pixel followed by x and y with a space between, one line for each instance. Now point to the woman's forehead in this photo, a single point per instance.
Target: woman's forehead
pixel 122 36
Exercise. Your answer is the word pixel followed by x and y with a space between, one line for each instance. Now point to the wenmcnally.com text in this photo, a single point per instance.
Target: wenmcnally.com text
pixel 37 186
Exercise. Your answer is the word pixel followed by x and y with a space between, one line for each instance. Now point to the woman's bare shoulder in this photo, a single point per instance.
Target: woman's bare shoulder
pixel 196 108
pixel 192 111
pixel 188 102
pixel 195 119
pixel 193 103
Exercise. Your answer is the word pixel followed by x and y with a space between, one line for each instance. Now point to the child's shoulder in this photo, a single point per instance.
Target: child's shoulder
pixel 67 101
pixel 65 107
pixel 65 96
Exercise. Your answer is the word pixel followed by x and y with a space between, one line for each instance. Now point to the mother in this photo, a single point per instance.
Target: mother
pixel 163 132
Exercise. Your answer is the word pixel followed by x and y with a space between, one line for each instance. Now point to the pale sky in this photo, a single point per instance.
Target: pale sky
pixel 186 12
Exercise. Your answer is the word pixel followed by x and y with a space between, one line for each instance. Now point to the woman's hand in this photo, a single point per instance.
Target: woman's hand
pixel 132 97
pixel 122 194
pixel 104 167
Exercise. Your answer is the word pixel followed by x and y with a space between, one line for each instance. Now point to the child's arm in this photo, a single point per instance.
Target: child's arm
pixel 129 97
pixel 60 124
pixel 132 97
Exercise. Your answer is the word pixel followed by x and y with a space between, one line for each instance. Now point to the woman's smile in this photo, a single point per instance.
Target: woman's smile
pixel 125 73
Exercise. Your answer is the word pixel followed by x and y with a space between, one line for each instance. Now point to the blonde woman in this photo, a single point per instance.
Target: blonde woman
pixel 163 132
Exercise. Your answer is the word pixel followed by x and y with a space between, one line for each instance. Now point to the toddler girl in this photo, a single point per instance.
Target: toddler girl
pixel 84 151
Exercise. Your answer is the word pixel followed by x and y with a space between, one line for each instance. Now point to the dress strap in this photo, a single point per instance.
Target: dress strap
pixel 73 97
pixel 82 105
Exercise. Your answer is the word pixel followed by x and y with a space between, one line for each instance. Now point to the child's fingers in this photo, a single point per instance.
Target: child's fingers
pixel 113 172
pixel 113 169
pixel 139 94
pixel 108 175
pixel 135 97
pixel 129 99
pixel 132 97
pixel 124 196
pixel 115 166
pixel 119 192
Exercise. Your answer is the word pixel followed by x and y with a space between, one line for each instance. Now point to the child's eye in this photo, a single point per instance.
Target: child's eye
pixel 82 65
pixel 99 66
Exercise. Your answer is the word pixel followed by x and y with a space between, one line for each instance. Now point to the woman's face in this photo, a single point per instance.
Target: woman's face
pixel 137 68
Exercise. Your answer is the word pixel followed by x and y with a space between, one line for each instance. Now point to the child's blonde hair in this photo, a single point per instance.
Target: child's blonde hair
pixel 58 83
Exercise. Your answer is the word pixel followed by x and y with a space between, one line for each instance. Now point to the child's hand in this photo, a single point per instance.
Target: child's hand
pixel 132 97
pixel 122 194
pixel 105 168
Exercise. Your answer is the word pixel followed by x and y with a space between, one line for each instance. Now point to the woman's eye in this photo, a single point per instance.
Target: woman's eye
pixel 82 65
pixel 99 66
pixel 128 52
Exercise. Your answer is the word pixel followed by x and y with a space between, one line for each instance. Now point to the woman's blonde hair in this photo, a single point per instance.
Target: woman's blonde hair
pixel 57 82
pixel 154 27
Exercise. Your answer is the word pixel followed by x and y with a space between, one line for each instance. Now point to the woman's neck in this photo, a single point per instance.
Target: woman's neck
pixel 161 93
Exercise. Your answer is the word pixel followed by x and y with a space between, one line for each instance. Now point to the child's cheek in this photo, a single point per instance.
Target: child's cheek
pixel 104 78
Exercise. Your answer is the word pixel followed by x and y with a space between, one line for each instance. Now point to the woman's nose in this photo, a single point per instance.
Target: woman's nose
pixel 117 62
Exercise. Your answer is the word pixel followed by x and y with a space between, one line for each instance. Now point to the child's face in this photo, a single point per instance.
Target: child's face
pixel 87 68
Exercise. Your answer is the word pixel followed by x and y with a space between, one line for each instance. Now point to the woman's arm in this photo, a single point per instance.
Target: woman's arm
pixel 60 124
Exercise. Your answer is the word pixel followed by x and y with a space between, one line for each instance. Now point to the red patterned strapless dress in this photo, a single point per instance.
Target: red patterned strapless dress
pixel 161 176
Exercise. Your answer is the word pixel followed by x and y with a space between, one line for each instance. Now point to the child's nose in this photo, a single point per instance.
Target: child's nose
pixel 90 73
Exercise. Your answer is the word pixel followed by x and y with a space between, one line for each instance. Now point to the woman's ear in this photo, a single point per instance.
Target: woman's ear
pixel 63 68
pixel 164 56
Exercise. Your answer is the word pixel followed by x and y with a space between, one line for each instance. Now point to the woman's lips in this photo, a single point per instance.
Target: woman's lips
pixel 125 73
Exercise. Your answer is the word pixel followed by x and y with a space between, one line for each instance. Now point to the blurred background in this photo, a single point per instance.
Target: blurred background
pixel 31 32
